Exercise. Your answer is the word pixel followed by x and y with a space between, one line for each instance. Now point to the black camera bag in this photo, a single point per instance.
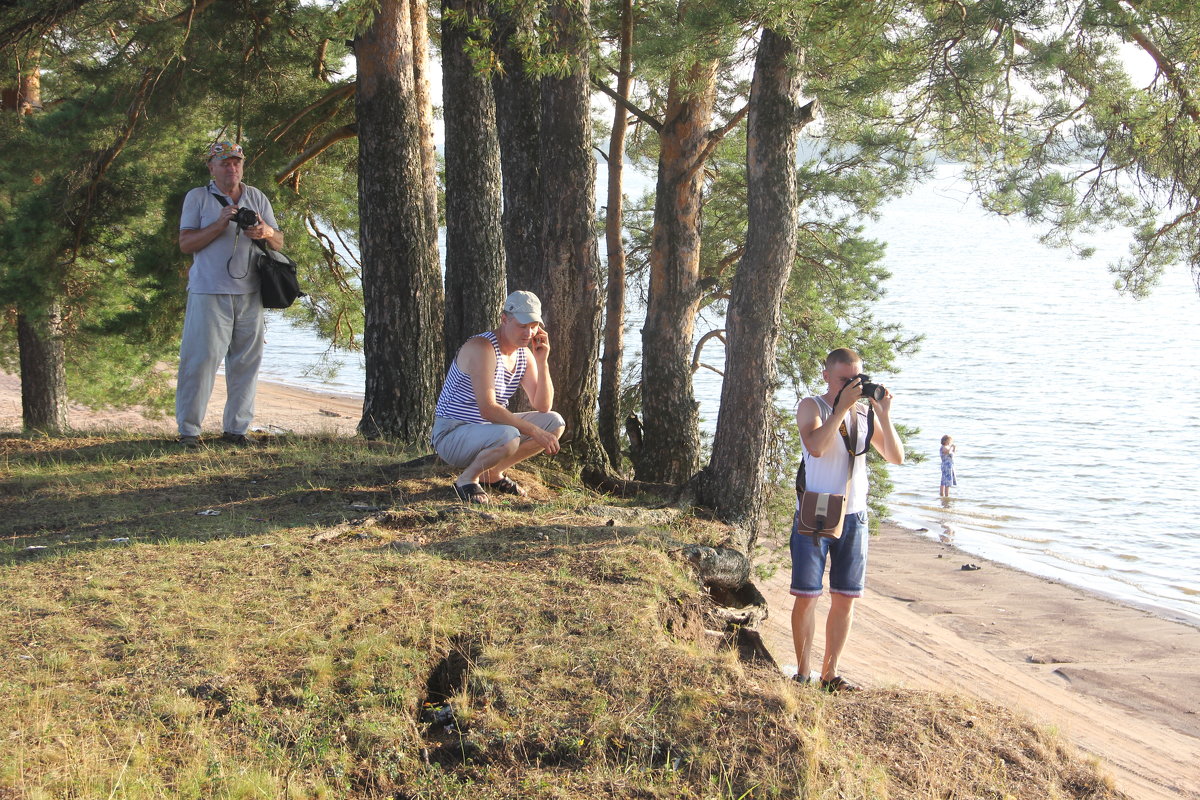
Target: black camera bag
pixel 278 285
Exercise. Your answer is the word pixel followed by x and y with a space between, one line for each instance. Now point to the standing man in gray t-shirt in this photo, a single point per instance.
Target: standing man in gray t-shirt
pixel 224 318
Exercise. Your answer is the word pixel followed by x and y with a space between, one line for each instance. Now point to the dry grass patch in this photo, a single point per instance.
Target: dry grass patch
pixel 368 637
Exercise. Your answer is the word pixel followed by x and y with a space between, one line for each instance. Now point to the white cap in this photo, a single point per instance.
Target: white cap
pixel 525 306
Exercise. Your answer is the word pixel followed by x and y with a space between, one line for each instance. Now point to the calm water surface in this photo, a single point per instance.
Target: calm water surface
pixel 1074 408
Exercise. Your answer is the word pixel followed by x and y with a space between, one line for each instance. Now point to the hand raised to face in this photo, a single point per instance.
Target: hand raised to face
pixel 541 343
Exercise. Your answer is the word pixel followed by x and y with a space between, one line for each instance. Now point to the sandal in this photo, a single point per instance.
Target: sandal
pixel 838 684
pixel 472 493
pixel 507 485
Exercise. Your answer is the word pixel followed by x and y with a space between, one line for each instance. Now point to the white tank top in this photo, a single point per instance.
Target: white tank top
pixel 828 473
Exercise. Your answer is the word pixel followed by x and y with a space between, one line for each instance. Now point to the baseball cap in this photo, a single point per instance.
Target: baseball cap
pixel 525 306
pixel 224 150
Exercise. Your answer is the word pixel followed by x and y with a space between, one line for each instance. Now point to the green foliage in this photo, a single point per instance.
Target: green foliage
pixel 93 184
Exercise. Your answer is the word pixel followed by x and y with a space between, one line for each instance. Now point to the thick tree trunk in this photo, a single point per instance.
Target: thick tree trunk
pixel 43 371
pixel 670 445
pixel 402 297
pixel 518 121
pixel 732 483
pixel 610 420
pixel 41 353
pixel 571 266
pixel 475 287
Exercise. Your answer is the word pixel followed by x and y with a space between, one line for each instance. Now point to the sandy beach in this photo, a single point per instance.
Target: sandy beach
pixel 1121 683
pixel 277 408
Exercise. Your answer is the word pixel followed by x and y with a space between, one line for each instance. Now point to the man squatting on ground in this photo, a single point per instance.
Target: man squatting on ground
pixel 473 429
pixel 224 317
pixel 826 462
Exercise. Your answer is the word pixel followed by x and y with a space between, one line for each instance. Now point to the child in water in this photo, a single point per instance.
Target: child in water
pixel 948 465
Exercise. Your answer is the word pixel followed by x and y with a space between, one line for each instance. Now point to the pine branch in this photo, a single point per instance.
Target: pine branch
pixel 332 138
pixel 630 107
pixel 337 93
pixel 1164 64
pixel 719 334
pixel 716 135
pixel 186 16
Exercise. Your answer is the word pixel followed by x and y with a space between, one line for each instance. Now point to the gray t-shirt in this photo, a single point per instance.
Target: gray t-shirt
pixel 209 273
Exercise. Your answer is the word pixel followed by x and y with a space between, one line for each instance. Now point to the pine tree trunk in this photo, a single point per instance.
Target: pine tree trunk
pixel 732 483
pixel 402 297
pixel 43 371
pixel 571 266
pixel 41 353
pixel 419 16
pixel 518 122
pixel 614 325
pixel 670 444
pixel 475 287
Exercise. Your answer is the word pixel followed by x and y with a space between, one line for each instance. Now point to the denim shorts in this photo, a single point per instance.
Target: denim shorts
pixel 847 557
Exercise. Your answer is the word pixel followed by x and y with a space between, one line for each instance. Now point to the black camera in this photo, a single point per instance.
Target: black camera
pixel 874 391
pixel 245 218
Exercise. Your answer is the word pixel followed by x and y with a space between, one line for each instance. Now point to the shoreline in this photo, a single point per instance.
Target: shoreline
pixel 279 407
pixel 1162 612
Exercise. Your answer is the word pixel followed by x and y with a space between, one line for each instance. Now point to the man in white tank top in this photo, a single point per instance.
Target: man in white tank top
pixel 827 465
pixel 473 429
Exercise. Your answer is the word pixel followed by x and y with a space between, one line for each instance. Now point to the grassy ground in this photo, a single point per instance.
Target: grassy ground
pixel 343 628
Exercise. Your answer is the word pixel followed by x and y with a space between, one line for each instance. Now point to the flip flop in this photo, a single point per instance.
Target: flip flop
pixel 471 493
pixel 838 684
pixel 507 485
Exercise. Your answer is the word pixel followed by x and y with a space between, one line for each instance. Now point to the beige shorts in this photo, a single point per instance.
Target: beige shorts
pixel 458 442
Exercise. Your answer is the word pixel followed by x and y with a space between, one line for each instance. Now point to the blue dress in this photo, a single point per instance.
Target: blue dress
pixel 948 469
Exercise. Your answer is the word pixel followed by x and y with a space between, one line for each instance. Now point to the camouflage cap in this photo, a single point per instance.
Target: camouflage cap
pixel 223 150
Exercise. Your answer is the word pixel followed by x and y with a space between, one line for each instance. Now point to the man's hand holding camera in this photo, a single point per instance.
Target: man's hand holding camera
pixel 260 231
pixel 250 222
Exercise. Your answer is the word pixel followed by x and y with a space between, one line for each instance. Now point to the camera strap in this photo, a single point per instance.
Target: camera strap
pixel 870 426
pixel 870 433
pixel 236 235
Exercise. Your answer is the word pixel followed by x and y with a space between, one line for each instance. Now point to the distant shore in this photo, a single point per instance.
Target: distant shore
pixel 1119 681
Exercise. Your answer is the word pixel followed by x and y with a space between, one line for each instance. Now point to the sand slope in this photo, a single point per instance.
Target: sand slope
pixel 1119 682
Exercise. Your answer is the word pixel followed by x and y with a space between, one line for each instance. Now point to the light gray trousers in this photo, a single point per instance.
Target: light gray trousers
pixel 219 327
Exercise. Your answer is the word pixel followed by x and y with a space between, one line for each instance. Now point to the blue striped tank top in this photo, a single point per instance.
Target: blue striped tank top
pixel 457 400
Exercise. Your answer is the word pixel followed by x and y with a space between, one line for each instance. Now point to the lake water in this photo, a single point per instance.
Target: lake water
pixel 1074 408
